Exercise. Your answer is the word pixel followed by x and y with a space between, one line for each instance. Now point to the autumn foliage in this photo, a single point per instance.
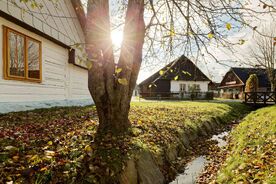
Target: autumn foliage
pixel 252 83
pixel 58 145
pixel 251 153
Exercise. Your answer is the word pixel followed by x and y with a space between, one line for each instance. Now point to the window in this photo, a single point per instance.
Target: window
pixel 194 88
pixel 22 56
pixel 182 87
pixel 197 87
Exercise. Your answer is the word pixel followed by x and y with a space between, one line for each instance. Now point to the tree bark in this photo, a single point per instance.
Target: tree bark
pixel 111 98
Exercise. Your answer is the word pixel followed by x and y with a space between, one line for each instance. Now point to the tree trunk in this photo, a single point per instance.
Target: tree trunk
pixel 112 99
pixel 112 112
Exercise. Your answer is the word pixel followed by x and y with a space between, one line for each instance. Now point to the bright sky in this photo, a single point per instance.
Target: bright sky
pixel 207 64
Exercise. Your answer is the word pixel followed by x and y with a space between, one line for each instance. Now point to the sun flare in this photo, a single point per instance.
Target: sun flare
pixel 117 37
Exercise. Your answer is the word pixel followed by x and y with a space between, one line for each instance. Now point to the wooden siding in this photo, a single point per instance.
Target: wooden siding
pixel 57 22
pixel 231 79
pixel 60 22
pixel 60 80
pixel 162 86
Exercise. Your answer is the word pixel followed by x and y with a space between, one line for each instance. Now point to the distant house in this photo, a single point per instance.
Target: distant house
pixel 179 76
pixel 38 66
pixel 233 83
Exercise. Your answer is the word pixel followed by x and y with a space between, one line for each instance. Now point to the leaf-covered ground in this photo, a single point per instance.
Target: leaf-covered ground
pixel 252 150
pixel 56 145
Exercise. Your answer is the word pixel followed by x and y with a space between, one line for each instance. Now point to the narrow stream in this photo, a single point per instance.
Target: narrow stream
pixel 196 166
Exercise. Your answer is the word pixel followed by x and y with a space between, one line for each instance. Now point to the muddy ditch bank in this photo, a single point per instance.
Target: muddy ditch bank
pixel 203 166
pixel 187 156
pixel 214 159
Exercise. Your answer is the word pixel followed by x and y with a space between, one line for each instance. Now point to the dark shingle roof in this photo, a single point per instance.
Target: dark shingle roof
pixel 182 67
pixel 244 73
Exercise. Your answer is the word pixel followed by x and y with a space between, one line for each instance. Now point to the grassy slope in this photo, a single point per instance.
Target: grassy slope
pixel 252 158
pixel 164 120
pixel 55 142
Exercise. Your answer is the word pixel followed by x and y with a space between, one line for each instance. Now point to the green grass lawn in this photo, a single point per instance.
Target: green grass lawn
pixel 252 156
pixel 53 144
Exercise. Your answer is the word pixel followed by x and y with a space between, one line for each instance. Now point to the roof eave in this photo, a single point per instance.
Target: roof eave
pixel 156 75
pixel 231 86
pixel 231 70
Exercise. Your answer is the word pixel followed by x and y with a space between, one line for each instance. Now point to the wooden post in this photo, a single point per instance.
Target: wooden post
pixel 254 97
pixel 265 98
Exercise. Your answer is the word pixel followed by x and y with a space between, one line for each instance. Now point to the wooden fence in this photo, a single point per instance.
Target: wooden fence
pixel 260 97
pixel 178 95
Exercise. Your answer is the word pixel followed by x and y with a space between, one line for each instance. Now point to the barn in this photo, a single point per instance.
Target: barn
pixel 179 78
pixel 39 66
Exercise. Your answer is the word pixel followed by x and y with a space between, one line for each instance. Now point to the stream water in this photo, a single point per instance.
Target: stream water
pixel 196 166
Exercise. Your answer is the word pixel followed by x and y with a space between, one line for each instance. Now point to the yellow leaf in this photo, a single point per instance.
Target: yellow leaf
pixel 176 77
pixel 50 143
pixel 43 169
pixel 161 72
pixel 122 81
pixel 186 73
pixel 190 33
pixel 118 70
pixel 49 153
pixel 15 158
pixel 34 157
pixel 172 33
pixel 228 26
pixel 210 35
pixel 150 86
pixel 88 148
pixel 34 5
pixel 241 41
pixel 89 64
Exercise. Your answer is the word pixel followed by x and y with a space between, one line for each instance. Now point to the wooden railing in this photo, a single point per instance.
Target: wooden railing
pixel 260 97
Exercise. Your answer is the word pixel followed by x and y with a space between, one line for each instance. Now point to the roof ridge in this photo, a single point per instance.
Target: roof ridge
pixel 154 77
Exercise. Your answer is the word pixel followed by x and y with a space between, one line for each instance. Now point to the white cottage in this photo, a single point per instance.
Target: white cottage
pixel 38 68
pixel 180 77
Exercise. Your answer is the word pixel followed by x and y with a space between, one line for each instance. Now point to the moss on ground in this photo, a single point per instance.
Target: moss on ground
pixel 57 144
pixel 252 155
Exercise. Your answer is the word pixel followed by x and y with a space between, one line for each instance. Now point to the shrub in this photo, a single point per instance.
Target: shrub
pixel 252 83
pixel 209 95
